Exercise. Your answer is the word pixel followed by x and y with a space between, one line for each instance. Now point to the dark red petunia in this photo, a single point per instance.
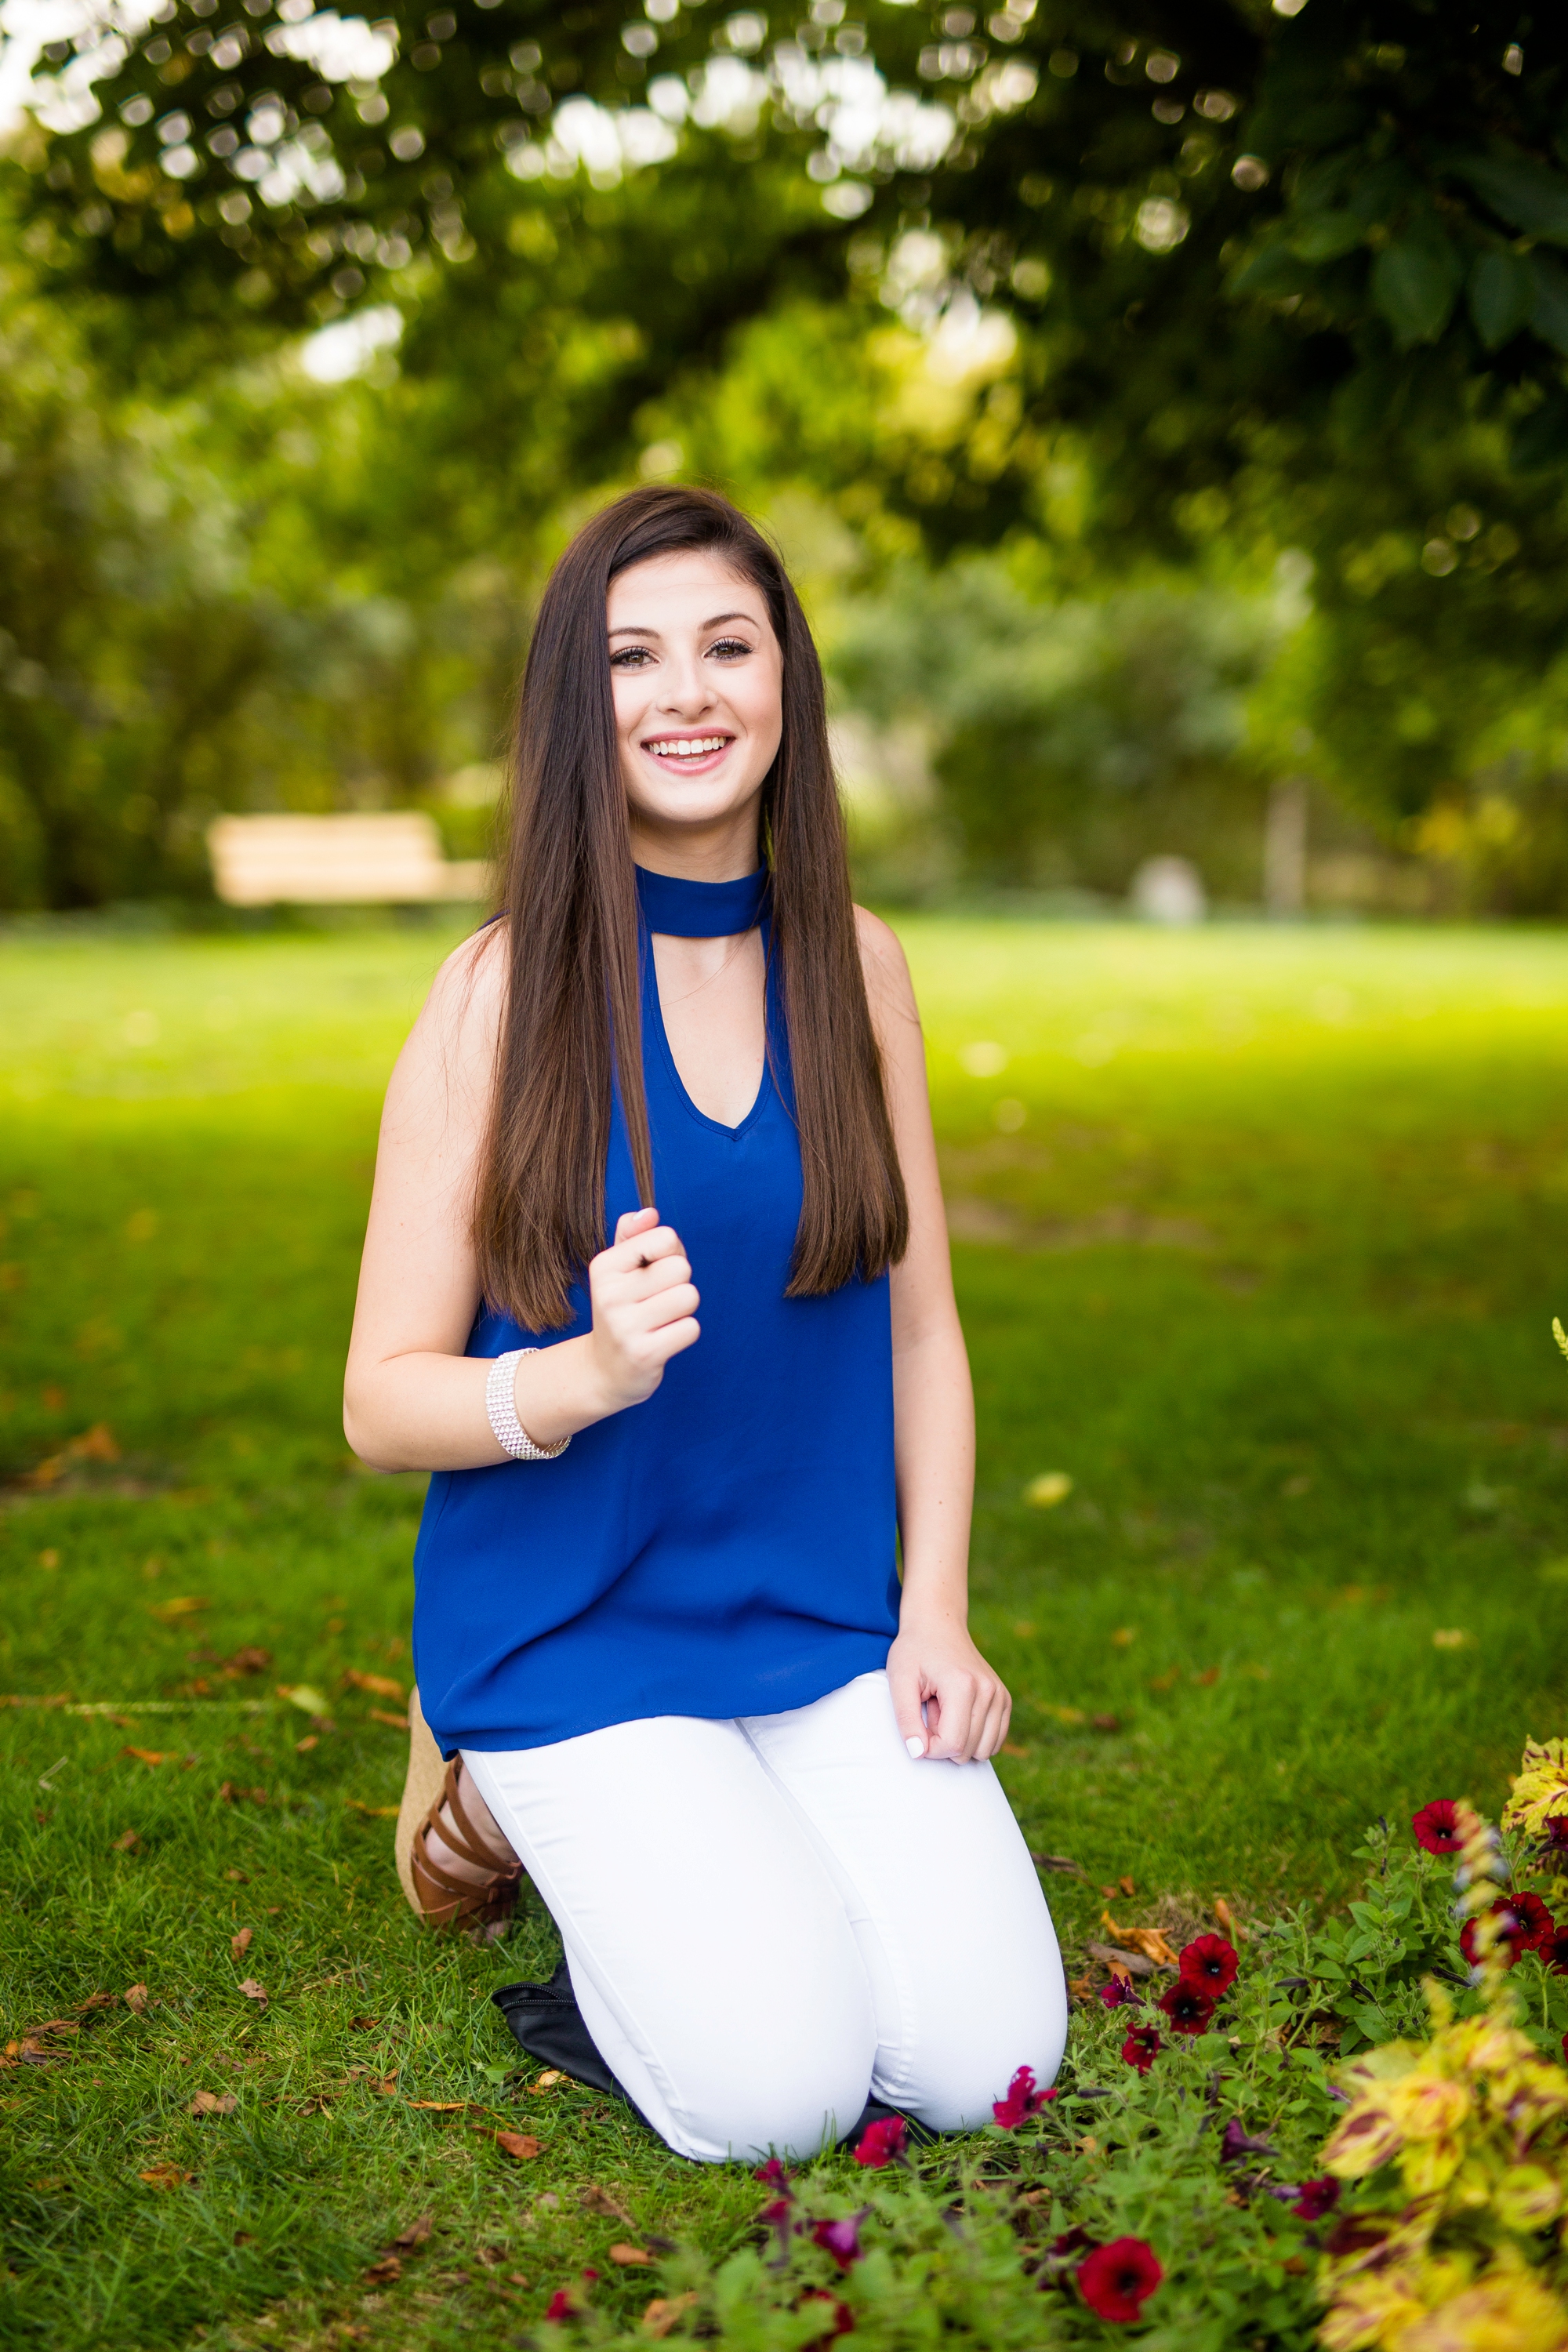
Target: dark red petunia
pixel 1553 1839
pixel 1526 1922
pixel 1554 1948
pixel 881 2142
pixel 1315 2198
pixel 562 2304
pixel 842 2238
pixel 1210 1961
pixel 843 2317
pixel 1142 2047
pixel 1436 1826
pixel 1117 1993
pixel 1237 2142
pixel 1188 2006
pixel 1116 2281
pixel 1022 2100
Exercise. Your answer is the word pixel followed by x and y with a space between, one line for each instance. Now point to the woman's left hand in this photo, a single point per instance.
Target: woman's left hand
pixel 967 1706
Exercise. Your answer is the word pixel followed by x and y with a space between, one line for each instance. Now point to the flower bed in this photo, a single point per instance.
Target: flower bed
pixel 1353 2133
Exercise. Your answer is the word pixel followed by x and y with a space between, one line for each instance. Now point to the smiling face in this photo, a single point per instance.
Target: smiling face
pixel 698 680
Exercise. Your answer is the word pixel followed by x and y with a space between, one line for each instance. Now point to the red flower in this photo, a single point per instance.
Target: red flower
pixel 1314 2198
pixel 1526 1925
pixel 880 2143
pixel 1552 1948
pixel 1210 1962
pixel 1188 2006
pixel 1142 2047
pixel 1116 2281
pixel 842 2238
pixel 772 2176
pixel 562 2304
pixel 1436 1826
pixel 1554 1840
pixel 843 2317
pixel 1117 1993
pixel 1022 2100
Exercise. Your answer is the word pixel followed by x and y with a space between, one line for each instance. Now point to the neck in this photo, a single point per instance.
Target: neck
pixel 724 851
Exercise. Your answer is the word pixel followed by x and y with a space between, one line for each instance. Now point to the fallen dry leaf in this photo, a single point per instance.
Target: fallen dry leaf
pixel 253 1992
pixel 626 2255
pixel 1127 1887
pixel 240 1944
pixel 100 2000
pixel 1057 1862
pixel 379 1685
pixel 392 1722
pixel 1123 1637
pixel 1207 1679
pixel 166 2175
pixel 214 2103
pixel 492 2257
pixel 150 1755
pixel 665 2310
pixel 376 1812
pixel 548 2080
pixel 417 2233
pixel 363 2024
pixel 518 2144
pixel 1106 1722
pixel 517 2278
pixel 439 2106
pixel 135 1997
pixel 1166 1681
pixel 1147 1940
pixel 303 1747
pixel 1113 1956
pixel 1451 1637
pixel 126 1842
pixel 180 1605
pixel 1011 1747
pixel 385 2271
pixel 595 2200
pixel 231 1794
pixel 1223 1914
pixel 1068 1715
pixel 246 1661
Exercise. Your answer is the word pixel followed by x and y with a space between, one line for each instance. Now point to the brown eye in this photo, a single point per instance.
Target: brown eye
pixel 728 648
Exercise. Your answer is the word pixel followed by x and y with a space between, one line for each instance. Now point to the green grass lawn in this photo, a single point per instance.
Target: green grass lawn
pixel 1259 1244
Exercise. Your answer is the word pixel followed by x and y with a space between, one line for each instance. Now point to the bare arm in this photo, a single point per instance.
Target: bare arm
pixel 933 1660
pixel 412 1401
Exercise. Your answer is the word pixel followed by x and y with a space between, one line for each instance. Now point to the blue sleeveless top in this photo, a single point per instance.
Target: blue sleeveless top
pixel 728 1547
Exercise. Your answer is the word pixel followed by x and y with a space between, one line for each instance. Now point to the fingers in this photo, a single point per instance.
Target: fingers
pixel 647 1244
pixel 904 1686
pixel 998 1715
pixel 634 1221
pixel 969 1715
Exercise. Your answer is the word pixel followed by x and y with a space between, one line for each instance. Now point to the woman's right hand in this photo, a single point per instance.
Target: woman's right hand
pixel 645 1309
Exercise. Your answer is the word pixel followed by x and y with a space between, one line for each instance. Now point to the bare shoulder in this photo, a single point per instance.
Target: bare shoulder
pixel 460 1023
pixel 883 961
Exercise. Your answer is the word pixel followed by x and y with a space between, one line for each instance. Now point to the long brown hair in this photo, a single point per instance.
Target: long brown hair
pixel 572 1029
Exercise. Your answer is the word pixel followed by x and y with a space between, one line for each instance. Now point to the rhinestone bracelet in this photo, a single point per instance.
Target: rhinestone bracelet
pixel 501 1404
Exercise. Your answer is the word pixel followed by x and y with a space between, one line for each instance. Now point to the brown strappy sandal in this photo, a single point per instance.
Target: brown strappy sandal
pixel 439 1898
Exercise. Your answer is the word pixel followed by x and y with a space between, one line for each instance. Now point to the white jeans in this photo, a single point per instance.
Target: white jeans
pixel 768 1919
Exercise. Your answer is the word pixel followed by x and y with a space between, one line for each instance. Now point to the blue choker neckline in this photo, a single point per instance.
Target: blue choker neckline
pixel 702 910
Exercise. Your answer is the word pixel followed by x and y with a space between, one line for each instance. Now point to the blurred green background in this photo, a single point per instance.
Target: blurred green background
pixel 1164 414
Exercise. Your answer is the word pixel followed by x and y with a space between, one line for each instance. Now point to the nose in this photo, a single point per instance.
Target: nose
pixel 684 691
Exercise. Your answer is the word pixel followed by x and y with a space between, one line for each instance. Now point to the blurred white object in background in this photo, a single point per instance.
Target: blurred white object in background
pixel 383 859
pixel 1169 890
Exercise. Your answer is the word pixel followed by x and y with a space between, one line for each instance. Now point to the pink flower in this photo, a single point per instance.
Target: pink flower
pixel 562 2304
pixel 881 2142
pixel 1116 2281
pixel 842 2238
pixel 1142 2047
pixel 1022 2100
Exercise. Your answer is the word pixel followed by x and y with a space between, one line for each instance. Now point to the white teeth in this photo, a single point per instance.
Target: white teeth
pixel 694 748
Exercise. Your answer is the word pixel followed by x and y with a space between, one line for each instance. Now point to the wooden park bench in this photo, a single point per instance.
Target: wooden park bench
pixel 389 859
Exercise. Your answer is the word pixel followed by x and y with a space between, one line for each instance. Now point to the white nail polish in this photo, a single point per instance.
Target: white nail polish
pixel 916 1747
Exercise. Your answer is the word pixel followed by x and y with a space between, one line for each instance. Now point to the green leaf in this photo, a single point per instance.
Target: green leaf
pixel 1502 292
pixel 1542 437
pixel 1273 269
pixel 1549 300
pixel 1327 236
pixel 1528 195
pixel 1413 284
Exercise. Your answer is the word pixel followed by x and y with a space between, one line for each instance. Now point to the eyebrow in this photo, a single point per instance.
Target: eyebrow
pixel 636 629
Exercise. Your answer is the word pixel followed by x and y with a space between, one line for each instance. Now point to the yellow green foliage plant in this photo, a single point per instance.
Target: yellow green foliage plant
pixel 1449 2238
